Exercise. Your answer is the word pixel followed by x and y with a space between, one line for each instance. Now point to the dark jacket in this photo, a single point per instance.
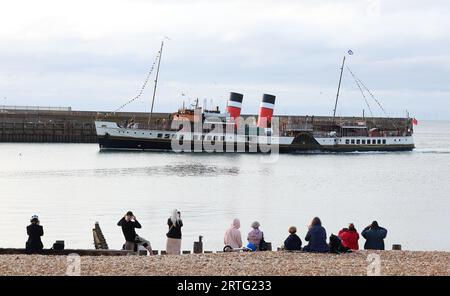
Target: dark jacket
pixel 317 238
pixel 128 229
pixel 374 238
pixel 293 243
pixel 34 242
pixel 174 230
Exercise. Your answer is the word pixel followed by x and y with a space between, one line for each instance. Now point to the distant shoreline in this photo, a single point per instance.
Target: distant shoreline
pixel 228 264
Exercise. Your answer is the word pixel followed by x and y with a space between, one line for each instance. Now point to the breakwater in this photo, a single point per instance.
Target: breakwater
pixel 63 125
pixel 59 126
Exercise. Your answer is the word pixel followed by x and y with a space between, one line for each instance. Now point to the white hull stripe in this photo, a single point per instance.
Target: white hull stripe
pixel 234 104
pixel 267 105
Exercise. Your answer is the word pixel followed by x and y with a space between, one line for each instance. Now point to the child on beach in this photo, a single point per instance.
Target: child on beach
pixel 293 241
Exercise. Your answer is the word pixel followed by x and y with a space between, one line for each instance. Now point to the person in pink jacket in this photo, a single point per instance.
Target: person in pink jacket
pixel 233 235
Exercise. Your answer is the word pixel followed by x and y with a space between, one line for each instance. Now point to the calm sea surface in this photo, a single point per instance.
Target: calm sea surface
pixel 71 186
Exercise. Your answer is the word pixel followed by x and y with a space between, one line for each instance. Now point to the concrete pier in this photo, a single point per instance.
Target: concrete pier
pixel 60 126
pixel 63 125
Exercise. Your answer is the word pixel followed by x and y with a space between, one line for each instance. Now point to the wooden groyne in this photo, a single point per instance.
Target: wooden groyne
pixel 64 125
pixel 99 238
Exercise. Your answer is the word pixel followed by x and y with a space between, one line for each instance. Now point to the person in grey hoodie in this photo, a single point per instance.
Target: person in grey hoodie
pixel 374 235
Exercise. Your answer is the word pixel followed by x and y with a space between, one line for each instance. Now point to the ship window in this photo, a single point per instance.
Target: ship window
pixel 353 141
pixel 374 142
pixel 347 141
pixel 363 142
pixel 208 138
pixel 159 135
pixel 222 138
pixel 384 141
pixel 166 136
pixel 203 137
pixel 195 137
pixel 358 142
pixel 379 142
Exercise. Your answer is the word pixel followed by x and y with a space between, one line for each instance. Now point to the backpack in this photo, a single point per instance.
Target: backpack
pixel 262 244
pixel 58 245
pixel 336 245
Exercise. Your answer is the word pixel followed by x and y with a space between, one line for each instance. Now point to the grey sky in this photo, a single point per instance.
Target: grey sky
pixel 94 55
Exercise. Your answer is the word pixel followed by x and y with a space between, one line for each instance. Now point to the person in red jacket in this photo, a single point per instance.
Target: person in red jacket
pixel 349 237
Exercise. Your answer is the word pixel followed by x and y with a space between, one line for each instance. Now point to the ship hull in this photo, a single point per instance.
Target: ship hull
pixel 131 144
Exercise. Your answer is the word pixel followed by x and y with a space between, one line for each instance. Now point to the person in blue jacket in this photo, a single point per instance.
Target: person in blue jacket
pixel 293 242
pixel 374 235
pixel 316 238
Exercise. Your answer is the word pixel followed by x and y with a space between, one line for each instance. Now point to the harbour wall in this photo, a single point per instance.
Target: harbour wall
pixel 63 125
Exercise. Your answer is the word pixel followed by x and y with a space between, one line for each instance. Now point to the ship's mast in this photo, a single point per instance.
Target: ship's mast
pixel 156 82
pixel 339 87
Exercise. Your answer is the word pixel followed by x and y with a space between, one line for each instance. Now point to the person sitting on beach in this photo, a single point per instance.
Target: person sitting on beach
pixel 374 235
pixel 316 237
pixel 173 245
pixel 129 223
pixel 349 237
pixel 255 235
pixel 233 235
pixel 293 241
pixel 34 231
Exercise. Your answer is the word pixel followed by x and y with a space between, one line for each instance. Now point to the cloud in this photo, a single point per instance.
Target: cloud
pixel 95 54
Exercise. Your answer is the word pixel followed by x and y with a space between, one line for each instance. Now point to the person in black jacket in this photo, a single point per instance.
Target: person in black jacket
pixel 293 242
pixel 129 223
pixel 34 231
pixel 173 245
pixel 374 235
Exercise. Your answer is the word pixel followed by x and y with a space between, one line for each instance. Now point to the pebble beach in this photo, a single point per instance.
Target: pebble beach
pixel 239 264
